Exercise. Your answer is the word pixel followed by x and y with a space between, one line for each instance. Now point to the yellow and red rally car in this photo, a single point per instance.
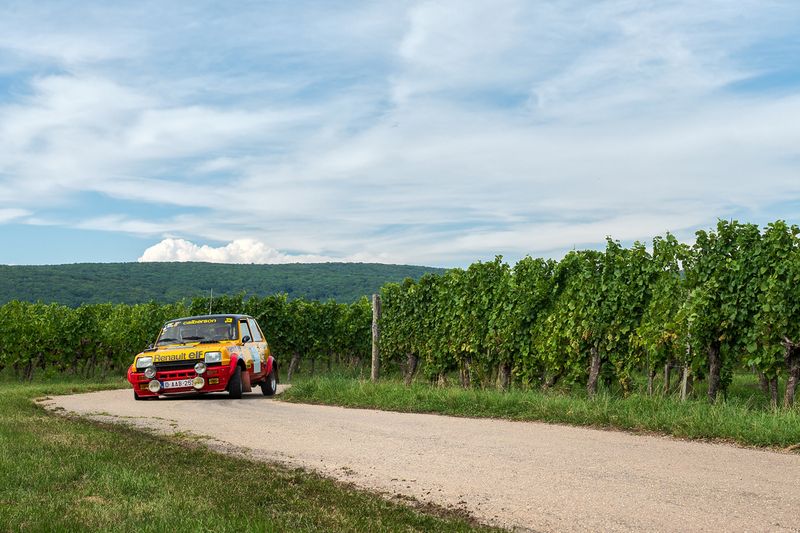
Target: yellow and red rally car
pixel 209 353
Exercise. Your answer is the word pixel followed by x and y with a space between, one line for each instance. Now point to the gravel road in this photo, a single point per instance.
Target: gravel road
pixel 520 475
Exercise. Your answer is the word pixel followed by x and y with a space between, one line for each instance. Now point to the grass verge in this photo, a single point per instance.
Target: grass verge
pixel 733 420
pixel 61 474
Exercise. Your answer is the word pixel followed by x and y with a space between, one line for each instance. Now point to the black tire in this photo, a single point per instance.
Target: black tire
pixel 270 384
pixel 137 397
pixel 235 384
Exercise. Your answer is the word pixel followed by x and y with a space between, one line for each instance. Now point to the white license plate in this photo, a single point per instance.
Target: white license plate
pixel 177 384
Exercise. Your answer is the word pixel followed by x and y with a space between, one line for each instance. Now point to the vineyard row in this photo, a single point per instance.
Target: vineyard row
pixel 729 301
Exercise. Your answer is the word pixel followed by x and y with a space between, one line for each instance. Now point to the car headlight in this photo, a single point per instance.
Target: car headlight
pixel 200 367
pixel 213 357
pixel 144 362
pixel 150 372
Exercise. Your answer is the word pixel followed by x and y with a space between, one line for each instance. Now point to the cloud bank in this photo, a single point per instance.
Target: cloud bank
pixel 246 251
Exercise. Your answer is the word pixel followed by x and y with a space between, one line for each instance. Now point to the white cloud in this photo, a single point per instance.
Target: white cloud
pixel 239 251
pixel 7 215
pixel 88 133
pixel 66 48
pixel 454 45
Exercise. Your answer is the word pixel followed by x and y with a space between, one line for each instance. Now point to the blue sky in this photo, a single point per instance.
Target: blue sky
pixel 436 133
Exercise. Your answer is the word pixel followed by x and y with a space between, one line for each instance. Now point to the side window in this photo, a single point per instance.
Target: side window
pixel 244 330
pixel 254 328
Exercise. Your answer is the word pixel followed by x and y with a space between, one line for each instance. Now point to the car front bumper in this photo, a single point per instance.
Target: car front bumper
pixel 216 380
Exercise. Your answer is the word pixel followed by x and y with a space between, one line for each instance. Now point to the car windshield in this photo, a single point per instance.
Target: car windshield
pixel 197 330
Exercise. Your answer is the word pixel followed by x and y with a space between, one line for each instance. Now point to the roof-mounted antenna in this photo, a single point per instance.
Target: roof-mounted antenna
pixel 210 299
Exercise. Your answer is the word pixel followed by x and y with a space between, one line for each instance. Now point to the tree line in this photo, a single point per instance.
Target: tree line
pixel 729 301
pixel 132 283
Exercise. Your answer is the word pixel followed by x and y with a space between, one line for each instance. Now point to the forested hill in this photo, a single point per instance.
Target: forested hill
pixel 81 283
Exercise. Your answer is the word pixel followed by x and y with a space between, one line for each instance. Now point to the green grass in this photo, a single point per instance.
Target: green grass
pixel 739 418
pixel 61 474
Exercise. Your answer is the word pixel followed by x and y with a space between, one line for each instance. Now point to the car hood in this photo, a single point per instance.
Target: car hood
pixel 182 352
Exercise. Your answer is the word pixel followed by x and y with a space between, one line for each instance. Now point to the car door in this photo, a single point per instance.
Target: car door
pixel 249 348
pixel 259 344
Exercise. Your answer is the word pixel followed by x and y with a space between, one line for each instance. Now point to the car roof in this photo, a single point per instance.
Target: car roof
pixel 221 315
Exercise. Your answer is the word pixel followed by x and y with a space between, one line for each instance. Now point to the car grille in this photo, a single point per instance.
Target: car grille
pixel 173 365
pixel 182 365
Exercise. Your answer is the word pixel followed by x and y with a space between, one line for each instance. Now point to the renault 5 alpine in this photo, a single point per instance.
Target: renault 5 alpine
pixel 209 353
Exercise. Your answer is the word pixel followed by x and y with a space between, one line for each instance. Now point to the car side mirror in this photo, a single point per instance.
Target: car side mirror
pixel 150 346
pixel 246 339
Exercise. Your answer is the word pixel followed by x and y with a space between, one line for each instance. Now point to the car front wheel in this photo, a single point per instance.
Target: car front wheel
pixel 235 384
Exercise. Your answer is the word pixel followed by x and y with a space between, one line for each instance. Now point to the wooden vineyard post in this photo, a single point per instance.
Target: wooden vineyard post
pixel 376 337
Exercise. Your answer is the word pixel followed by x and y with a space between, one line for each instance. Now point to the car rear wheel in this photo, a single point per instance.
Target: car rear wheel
pixel 270 384
pixel 235 384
